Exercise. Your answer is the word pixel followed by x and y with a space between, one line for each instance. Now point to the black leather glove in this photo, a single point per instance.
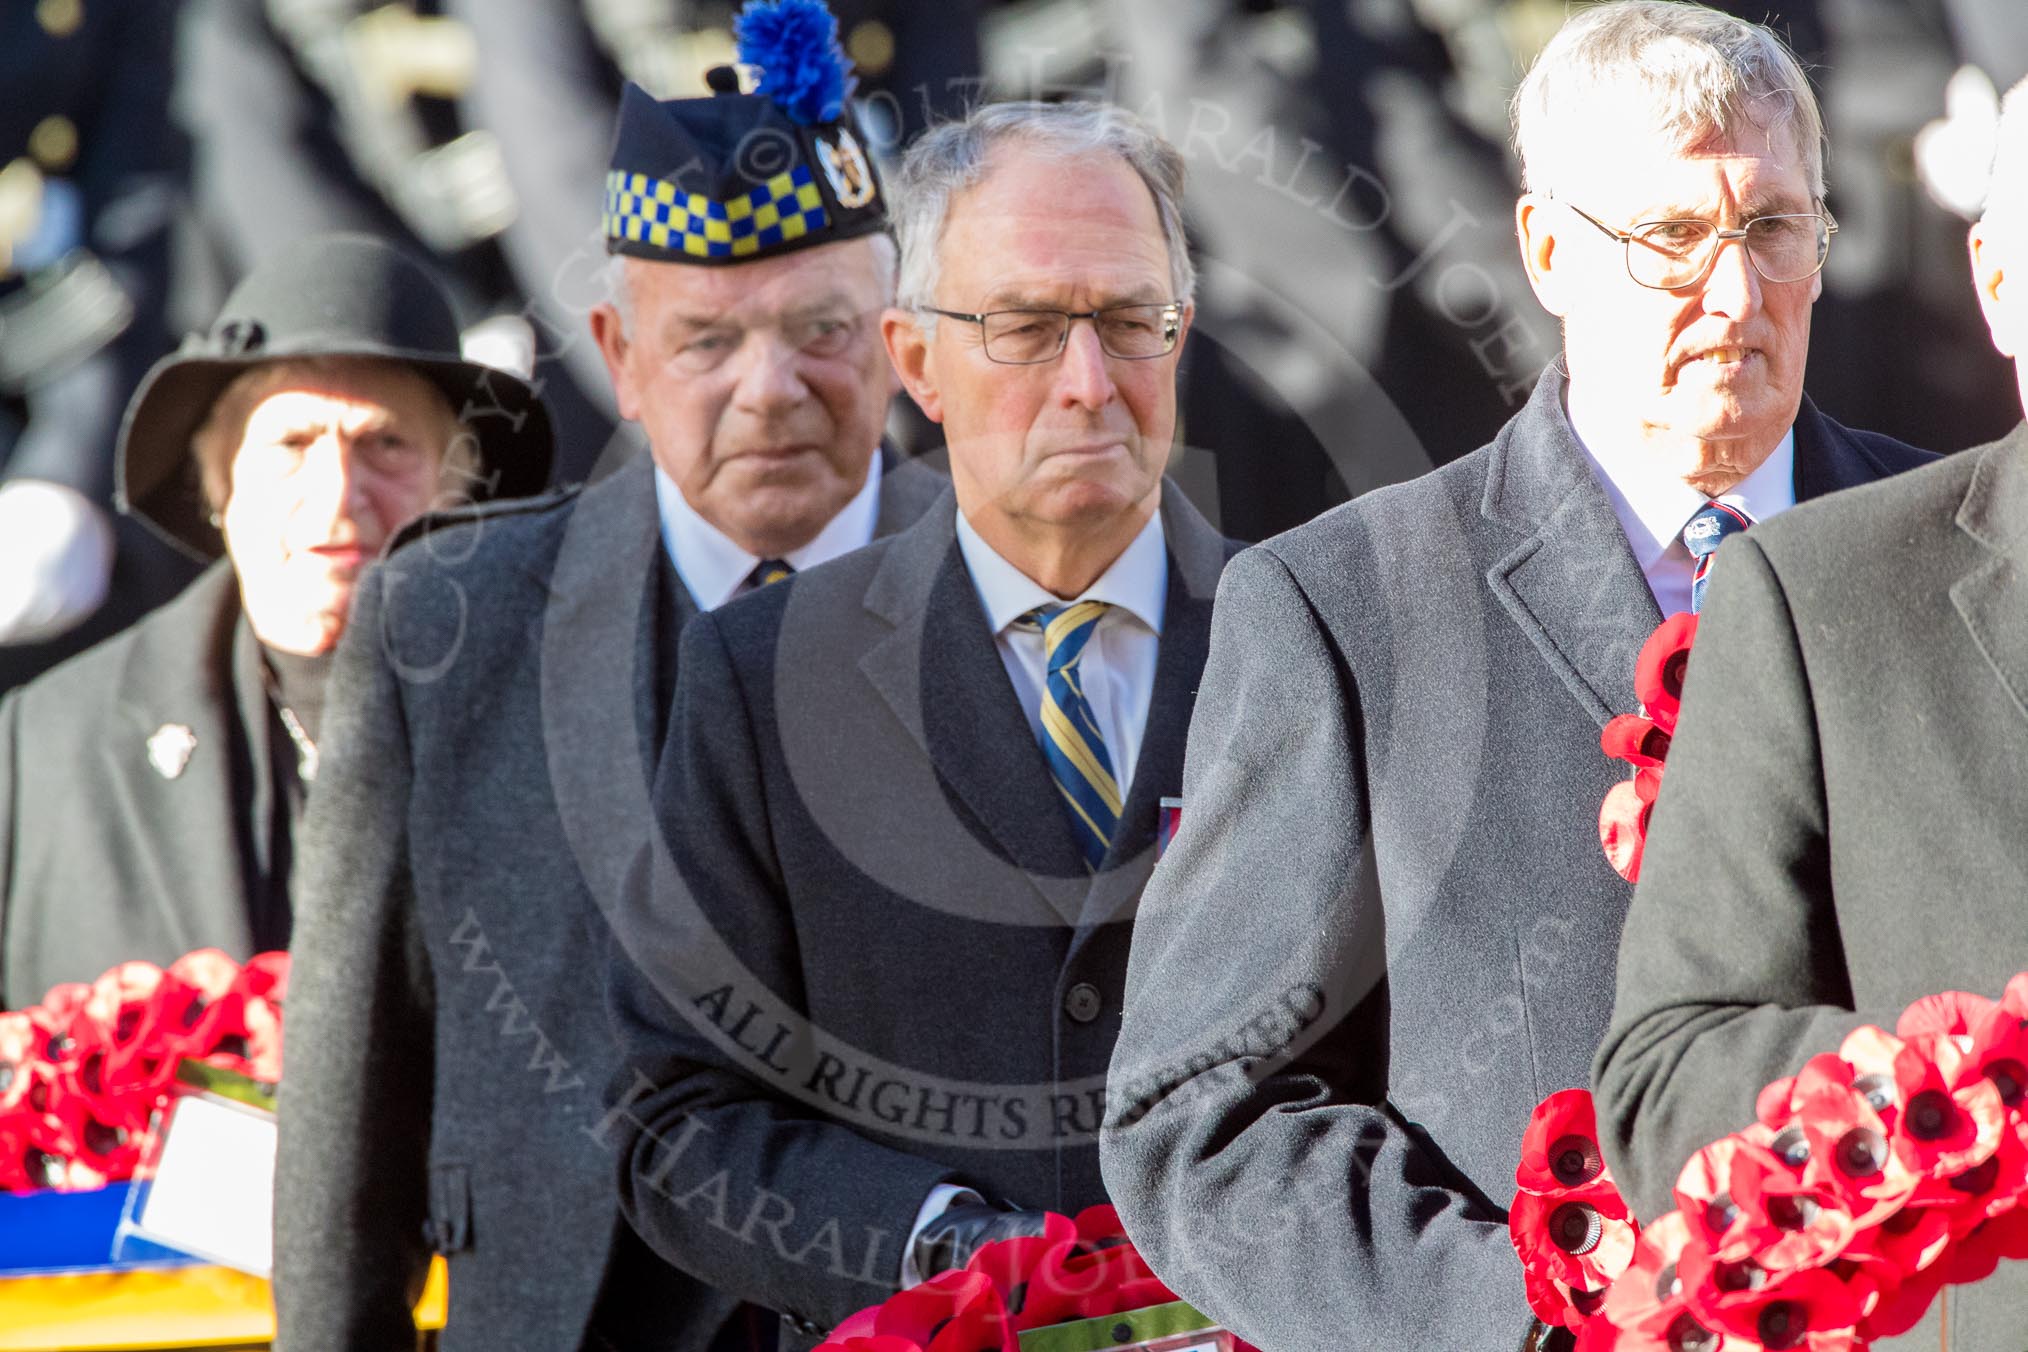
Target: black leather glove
pixel 951 1239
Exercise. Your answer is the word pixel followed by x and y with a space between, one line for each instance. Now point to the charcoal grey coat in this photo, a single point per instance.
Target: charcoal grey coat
pixel 1843 825
pixel 492 731
pixel 1386 929
pixel 140 811
pixel 873 859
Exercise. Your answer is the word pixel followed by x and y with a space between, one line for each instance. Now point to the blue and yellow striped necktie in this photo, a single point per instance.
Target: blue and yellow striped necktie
pixel 1070 735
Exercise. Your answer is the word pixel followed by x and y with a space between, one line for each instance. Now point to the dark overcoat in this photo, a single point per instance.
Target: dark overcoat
pixel 140 814
pixel 879 962
pixel 1386 929
pixel 1841 825
pixel 492 732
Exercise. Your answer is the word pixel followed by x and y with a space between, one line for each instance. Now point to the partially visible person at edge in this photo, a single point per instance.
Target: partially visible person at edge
pixel 1393 788
pixel 151 788
pixel 1855 731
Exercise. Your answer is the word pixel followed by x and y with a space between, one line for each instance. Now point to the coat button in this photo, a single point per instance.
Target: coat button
pixel 1082 1002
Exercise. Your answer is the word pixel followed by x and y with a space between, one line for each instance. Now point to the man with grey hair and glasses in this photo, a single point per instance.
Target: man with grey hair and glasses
pixel 1395 775
pixel 1855 729
pixel 911 797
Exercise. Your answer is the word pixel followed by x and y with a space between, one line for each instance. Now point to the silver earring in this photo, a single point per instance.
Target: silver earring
pixel 216 523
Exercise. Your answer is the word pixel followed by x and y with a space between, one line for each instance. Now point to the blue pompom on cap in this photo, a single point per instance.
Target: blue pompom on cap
pixel 795 45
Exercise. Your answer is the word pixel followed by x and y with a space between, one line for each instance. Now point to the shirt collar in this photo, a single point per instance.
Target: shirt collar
pixel 1137 581
pixel 1653 505
pixel 714 568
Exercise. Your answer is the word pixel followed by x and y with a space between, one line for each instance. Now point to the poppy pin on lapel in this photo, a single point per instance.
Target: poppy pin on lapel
pixel 170 748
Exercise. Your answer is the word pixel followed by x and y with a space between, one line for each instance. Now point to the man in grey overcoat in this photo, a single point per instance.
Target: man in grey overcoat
pixel 911 798
pixel 1840 828
pixel 493 747
pixel 1386 929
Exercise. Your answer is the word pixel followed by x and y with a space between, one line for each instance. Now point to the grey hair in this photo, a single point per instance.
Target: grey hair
pixel 621 294
pixel 949 158
pixel 1687 71
pixel 2007 189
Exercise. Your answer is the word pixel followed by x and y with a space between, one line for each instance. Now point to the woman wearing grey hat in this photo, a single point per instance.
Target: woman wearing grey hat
pixel 150 787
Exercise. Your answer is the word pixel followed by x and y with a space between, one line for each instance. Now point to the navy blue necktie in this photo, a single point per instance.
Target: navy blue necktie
pixel 1707 530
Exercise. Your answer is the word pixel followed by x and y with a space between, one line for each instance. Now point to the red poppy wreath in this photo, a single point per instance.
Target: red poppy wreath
pixel 1873 1178
pixel 83 1072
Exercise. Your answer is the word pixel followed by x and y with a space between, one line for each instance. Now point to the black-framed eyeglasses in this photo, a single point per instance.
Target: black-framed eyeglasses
pixel 1666 255
pixel 1031 337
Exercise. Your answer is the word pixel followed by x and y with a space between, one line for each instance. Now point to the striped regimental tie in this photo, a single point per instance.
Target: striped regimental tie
pixel 1070 735
pixel 1707 530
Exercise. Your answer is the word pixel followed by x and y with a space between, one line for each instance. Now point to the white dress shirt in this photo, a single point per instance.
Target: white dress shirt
pixel 1653 505
pixel 715 569
pixel 1118 665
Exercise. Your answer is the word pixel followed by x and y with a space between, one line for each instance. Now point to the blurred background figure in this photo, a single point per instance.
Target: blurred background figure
pixel 150 789
pixel 89 167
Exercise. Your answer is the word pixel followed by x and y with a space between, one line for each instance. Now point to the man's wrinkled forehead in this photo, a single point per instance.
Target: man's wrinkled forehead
pixel 1617 125
pixel 1098 234
pixel 1661 173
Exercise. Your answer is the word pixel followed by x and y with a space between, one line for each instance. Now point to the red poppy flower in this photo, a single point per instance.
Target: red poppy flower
pixel 1598 1335
pixel 1010 1263
pixel 1658 671
pixel 2014 999
pixel 1708 1195
pixel 1948 1117
pixel 1559 1147
pixel 1870 1051
pixel 877 1342
pixel 1635 740
pixel 1647 1303
pixel 1623 821
pixel 1840 1115
pixel 1547 1297
pixel 1805 1308
pixel 1901 1245
pixel 1583 1238
pixel 1075 1282
pixel 1775 1105
pixel 1947 1012
pixel 951 1312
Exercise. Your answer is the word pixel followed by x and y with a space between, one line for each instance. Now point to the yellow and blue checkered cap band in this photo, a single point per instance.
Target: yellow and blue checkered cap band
pixel 657 213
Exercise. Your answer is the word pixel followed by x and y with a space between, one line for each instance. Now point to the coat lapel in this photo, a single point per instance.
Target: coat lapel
pixel 1992 599
pixel 610 579
pixel 953 696
pixel 908 488
pixel 1828 457
pixel 1571 584
pixel 183 753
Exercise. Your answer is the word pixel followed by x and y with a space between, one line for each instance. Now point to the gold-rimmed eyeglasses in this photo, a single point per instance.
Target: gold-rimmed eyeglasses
pixel 1667 255
pixel 1031 337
